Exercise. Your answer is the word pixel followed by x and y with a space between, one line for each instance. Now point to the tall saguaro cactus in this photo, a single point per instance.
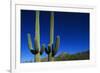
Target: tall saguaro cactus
pixel 36 51
pixel 37 35
pixel 52 49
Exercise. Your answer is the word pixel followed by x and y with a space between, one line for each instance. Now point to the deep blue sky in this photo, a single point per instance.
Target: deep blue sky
pixel 72 27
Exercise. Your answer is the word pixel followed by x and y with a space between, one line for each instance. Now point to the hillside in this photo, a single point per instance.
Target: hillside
pixel 65 56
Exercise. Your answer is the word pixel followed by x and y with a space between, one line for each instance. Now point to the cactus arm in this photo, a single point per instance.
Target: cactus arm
pixel 36 44
pixel 55 49
pixel 29 41
pixel 48 50
pixel 57 43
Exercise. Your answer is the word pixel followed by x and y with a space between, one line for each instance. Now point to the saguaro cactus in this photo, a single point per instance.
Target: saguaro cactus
pixel 52 49
pixel 36 51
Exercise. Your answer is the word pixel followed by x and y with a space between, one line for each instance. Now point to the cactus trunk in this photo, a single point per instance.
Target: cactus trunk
pixel 37 58
pixel 51 28
pixel 37 36
pixel 50 58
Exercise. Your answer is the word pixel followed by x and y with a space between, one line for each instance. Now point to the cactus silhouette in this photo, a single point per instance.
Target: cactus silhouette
pixel 36 51
pixel 52 48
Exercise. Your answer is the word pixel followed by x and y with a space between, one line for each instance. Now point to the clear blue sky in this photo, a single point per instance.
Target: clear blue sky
pixel 72 27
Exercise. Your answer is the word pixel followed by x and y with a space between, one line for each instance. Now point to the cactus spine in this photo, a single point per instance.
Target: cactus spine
pixel 52 49
pixel 36 51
